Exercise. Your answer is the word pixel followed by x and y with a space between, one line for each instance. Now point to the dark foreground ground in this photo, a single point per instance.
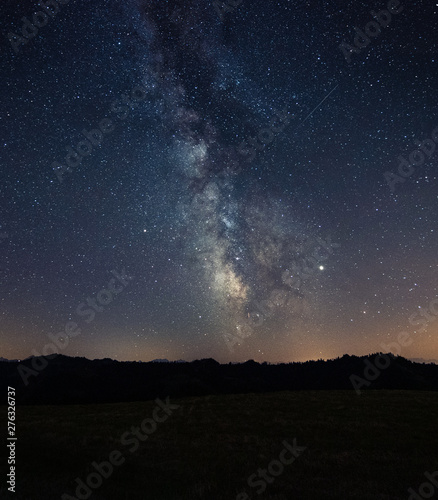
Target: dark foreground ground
pixel 373 446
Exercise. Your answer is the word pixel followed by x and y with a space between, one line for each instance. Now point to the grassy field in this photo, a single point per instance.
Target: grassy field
pixel 374 446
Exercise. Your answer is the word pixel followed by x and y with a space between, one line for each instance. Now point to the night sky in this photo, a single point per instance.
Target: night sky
pixel 185 183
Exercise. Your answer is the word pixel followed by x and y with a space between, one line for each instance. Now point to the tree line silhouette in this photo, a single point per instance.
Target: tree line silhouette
pixel 67 380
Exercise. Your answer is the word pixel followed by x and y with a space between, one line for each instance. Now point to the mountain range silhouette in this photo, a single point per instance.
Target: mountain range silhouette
pixel 69 380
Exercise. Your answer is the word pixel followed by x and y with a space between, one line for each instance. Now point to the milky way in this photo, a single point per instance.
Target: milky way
pixel 242 181
pixel 238 240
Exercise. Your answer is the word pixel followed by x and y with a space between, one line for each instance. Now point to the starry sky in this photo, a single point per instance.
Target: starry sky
pixel 189 179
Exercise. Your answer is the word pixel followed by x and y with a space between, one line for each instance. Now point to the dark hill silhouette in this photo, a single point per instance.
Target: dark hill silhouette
pixel 68 380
